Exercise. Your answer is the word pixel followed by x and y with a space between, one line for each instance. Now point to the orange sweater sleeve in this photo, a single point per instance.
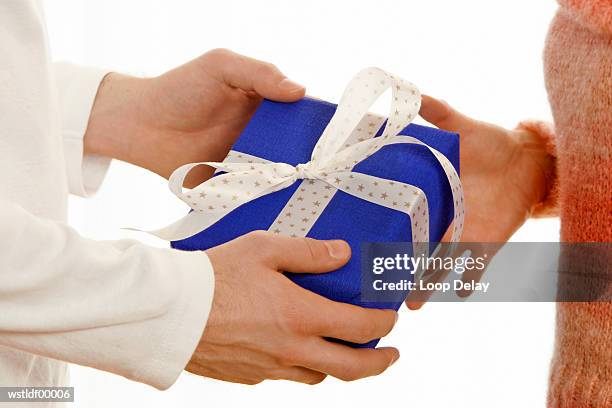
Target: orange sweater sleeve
pixel 578 76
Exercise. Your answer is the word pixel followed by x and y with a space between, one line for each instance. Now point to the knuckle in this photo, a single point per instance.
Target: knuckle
pixel 218 53
pixel 256 245
pixel 312 248
pixel 291 356
pixel 259 237
pixel 293 321
pixel 368 331
pixel 301 318
pixel 376 324
pixel 267 67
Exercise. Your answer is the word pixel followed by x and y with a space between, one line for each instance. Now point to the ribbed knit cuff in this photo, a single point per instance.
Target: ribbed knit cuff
pixel 548 207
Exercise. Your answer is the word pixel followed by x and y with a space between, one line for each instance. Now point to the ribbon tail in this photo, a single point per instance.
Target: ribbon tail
pixel 213 200
pixel 186 227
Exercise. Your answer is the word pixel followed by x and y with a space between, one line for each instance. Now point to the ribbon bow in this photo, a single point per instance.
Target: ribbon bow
pixel 337 151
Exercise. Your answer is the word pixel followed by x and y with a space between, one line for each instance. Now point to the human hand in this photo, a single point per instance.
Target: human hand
pixel 504 173
pixel 264 326
pixel 190 114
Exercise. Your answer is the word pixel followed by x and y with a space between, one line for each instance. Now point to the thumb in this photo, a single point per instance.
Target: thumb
pixel 442 115
pixel 304 255
pixel 252 75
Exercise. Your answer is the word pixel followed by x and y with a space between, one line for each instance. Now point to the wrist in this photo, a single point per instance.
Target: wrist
pixel 114 118
pixel 540 163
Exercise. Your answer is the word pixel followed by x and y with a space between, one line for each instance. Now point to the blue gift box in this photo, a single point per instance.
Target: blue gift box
pixel 288 132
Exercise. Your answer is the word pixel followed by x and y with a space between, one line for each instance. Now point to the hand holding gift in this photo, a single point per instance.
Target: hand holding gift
pixel 506 175
pixel 263 326
pixel 192 113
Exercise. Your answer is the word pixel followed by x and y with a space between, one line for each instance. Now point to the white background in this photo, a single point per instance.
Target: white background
pixel 483 57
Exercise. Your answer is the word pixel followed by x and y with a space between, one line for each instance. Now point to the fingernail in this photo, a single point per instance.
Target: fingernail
pixel 414 305
pixel 396 317
pixel 337 249
pixel 289 85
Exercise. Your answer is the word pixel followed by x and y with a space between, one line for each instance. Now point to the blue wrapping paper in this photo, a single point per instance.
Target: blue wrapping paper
pixel 288 132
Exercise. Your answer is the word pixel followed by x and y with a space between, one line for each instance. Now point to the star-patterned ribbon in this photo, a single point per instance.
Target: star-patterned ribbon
pixel 342 145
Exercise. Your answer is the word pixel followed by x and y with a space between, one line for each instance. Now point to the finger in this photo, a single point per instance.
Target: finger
pixel 222 375
pixel 301 375
pixel 348 322
pixel 474 275
pixel 252 75
pixel 301 255
pixel 347 363
pixel 442 115
pixel 418 297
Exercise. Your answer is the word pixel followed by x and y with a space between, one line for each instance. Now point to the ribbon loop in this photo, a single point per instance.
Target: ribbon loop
pixel 246 177
pixel 359 96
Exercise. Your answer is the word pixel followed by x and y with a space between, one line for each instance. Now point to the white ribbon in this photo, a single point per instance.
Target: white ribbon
pixel 329 170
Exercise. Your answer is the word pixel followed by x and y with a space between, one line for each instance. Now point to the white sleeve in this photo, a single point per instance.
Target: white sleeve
pixel 77 87
pixel 118 306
